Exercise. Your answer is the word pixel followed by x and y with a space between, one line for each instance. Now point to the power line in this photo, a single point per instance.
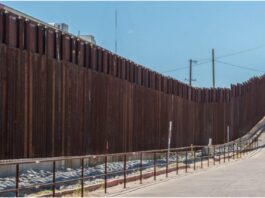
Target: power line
pixel 235 53
pixel 207 60
pixel 185 67
pixel 242 51
pixel 238 66
pixel 176 69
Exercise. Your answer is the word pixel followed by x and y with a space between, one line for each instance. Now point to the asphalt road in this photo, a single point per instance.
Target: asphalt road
pixel 245 177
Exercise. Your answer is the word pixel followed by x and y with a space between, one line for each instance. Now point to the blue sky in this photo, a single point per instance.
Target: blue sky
pixel 165 35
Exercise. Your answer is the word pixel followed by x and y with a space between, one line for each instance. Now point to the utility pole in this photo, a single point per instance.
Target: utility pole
pixel 116 27
pixel 190 78
pixel 190 72
pixel 213 68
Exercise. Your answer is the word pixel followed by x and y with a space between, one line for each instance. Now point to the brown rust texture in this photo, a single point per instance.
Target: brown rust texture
pixel 61 96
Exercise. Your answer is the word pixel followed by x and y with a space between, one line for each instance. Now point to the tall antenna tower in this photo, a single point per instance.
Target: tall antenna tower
pixel 116 28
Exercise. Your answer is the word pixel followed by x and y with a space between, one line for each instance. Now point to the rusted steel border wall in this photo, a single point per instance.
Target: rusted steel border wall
pixel 61 96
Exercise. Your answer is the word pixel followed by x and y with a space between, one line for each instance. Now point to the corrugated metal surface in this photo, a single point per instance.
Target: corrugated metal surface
pixel 64 96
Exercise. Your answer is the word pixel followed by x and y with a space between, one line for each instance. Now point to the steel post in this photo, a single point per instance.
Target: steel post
pixel 154 165
pixel 141 168
pixel 194 162
pixel 106 173
pixel 208 163
pixel 224 153
pixel 167 165
pixel 124 170
pixel 214 155
pixel 53 178
pixel 233 152
pixel 17 180
pixel 177 163
pixel 219 155
pixel 186 160
pixel 82 177
pixel 201 160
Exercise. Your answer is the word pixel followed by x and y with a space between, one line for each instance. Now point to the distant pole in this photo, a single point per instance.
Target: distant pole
pixel 190 78
pixel 116 28
pixel 213 68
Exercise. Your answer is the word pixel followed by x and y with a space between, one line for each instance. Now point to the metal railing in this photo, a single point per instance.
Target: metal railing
pixel 111 169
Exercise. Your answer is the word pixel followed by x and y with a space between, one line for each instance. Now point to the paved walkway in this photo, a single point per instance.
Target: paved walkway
pixel 245 177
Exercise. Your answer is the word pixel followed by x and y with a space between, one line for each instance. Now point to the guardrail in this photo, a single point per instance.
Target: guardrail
pixel 98 169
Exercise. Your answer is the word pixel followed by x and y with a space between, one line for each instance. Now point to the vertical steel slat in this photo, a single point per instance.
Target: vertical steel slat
pixel 32 37
pixel 40 39
pixel 2 27
pixel 66 51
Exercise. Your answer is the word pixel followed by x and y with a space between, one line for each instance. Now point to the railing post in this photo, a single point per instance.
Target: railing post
pixel 201 159
pixel 106 173
pixel 124 171
pixel 219 155
pixel 240 143
pixel 239 148
pixel 194 165
pixel 53 178
pixel 186 160
pixel 214 155
pixel 82 177
pixel 243 151
pixel 166 165
pixel 224 153
pixel 154 165
pixel 17 180
pixel 177 163
pixel 228 152
pixel 237 151
pixel 141 168
pixel 208 163
pixel 233 151
pixel 248 146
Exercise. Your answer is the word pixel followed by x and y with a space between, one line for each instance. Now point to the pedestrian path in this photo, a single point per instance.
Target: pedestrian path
pixel 245 177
